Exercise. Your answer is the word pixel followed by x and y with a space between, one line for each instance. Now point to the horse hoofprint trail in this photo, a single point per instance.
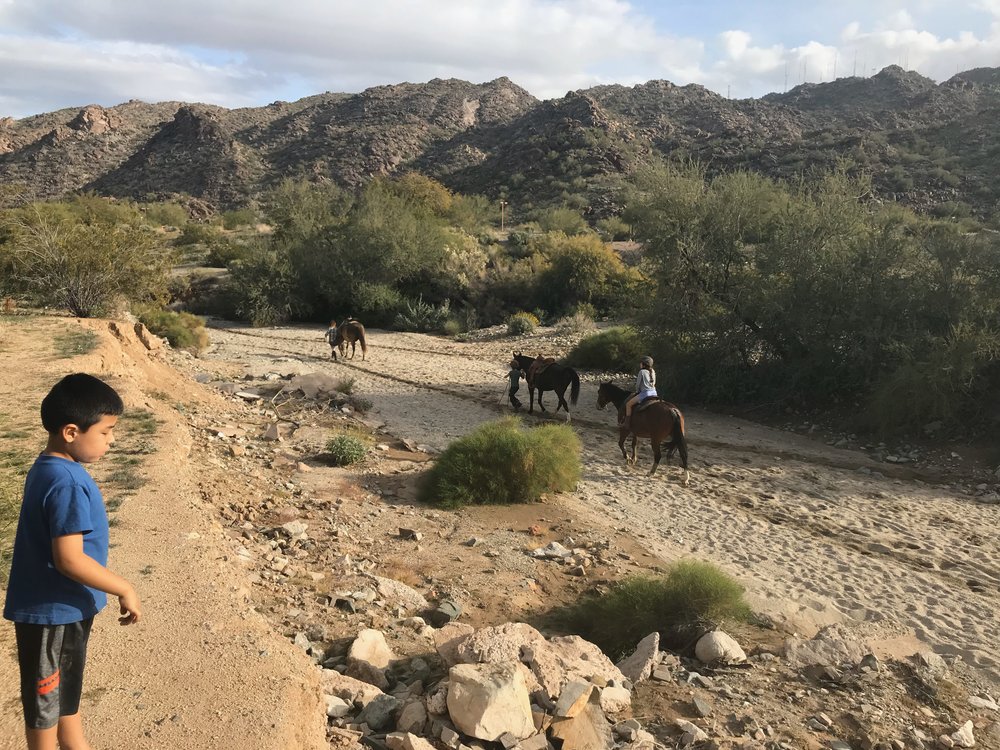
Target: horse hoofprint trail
pixel 814 540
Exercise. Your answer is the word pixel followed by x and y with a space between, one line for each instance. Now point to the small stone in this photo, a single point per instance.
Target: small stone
pixel 410 534
pixel 447 611
pixel 964 737
pixel 702 707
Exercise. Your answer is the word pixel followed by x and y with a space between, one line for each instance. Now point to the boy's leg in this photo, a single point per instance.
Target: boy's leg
pixel 41 739
pixel 52 659
pixel 70 733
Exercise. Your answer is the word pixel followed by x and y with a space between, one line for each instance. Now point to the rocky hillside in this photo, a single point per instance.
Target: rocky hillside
pixel 925 143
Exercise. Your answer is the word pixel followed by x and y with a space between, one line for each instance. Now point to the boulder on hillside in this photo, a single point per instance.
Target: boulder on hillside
pixel 488 700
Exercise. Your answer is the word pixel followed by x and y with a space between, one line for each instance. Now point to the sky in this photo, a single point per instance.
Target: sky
pixel 237 53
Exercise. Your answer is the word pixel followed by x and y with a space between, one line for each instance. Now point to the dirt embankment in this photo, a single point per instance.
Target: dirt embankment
pixel 203 670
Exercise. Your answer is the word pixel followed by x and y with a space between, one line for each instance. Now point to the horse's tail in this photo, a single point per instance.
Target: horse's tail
pixel 679 438
pixel 574 393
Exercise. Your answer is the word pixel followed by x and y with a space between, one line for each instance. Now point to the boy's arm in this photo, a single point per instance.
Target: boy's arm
pixel 74 563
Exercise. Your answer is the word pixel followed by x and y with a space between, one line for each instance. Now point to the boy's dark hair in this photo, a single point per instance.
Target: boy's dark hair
pixel 79 399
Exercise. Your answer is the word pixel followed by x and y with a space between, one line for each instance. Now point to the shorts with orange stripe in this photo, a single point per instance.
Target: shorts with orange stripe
pixel 51 658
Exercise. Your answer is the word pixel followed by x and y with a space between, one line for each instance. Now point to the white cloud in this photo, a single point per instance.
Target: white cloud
pixel 57 53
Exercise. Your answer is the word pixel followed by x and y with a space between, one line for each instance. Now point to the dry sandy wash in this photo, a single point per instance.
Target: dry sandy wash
pixel 814 540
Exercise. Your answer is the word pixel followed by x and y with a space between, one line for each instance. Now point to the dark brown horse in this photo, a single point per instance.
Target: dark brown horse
pixel 659 421
pixel 349 332
pixel 554 377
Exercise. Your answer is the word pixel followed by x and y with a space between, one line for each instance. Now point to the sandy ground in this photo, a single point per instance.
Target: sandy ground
pixel 203 670
pixel 815 540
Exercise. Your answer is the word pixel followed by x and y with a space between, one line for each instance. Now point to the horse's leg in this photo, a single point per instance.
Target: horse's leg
pixel 531 399
pixel 656 454
pixel 354 348
pixel 682 449
pixel 634 441
pixel 540 404
pixel 622 434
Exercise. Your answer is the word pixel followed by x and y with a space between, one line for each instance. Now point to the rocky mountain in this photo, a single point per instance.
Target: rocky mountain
pixel 925 143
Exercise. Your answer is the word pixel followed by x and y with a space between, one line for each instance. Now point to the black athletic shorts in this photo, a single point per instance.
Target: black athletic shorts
pixel 51 658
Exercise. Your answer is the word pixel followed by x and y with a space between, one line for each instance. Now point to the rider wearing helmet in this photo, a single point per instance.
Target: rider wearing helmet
pixel 645 387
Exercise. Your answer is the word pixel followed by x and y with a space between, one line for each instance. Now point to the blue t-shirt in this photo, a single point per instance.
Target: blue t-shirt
pixel 60 498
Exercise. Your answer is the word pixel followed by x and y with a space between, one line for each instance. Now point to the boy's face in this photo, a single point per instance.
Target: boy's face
pixel 87 446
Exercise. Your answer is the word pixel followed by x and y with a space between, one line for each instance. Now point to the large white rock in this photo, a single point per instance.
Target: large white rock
pixel 615 699
pixel 639 666
pixel 449 638
pixel 718 647
pixel 566 659
pixel 486 700
pixel 348 688
pixel 497 644
pixel 370 647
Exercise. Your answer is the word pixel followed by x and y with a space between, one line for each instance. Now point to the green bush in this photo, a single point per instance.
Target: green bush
pixel 183 330
pixel 241 217
pixel 692 597
pixel 502 462
pixel 578 322
pixel 422 316
pixel 222 251
pixel 196 234
pixel 521 323
pixel 346 449
pixel 378 304
pixel 613 349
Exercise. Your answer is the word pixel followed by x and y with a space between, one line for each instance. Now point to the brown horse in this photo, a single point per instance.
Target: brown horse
pixel 659 421
pixel 349 332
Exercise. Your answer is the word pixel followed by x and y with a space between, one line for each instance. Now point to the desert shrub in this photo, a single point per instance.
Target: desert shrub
pixel 578 322
pixel 378 304
pixel 240 217
pixel 613 349
pixel 421 316
pixel 452 327
pixel 222 251
pixel 346 449
pixel 502 462
pixel 165 214
pixel 613 229
pixel 345 386
pixel 361 404
pixel 183 330
pixel 196 234
pixel 692 597
pixel 86 268
pixel 521 323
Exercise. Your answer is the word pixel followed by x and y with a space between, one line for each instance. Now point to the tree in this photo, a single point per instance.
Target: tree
pixel 85 266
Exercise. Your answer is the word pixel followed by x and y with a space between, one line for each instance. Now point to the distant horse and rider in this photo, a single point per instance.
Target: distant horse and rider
pixel 350 332
pixel 658 420
pixel 545 374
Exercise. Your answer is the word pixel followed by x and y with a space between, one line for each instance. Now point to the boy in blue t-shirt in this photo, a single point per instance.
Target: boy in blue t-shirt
pixel 58 579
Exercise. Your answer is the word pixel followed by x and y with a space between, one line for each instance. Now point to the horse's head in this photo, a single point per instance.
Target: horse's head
pixel 604 395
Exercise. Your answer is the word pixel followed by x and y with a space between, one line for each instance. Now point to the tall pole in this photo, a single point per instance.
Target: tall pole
pixel 503 205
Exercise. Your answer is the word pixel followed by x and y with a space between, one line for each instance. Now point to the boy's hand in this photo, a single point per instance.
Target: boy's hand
pixel 130 608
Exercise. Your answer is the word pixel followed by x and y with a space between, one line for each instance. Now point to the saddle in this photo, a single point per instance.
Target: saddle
pixel 539 365
pixel 646 403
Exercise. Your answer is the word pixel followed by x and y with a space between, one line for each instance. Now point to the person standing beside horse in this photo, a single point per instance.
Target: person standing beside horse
pixel 645 387
pixel 514 375
pixel 330 336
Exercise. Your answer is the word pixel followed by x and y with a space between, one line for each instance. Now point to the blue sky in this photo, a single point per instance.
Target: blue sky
pixel 69 53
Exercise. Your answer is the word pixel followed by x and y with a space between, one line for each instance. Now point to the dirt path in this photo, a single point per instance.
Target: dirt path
pixel 815 540
pixel 203 671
